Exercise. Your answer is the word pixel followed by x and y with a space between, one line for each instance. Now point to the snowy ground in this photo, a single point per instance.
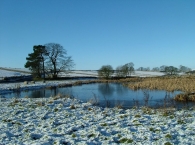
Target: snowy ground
pixel 66 121
pixel 80 74
pixel 6 73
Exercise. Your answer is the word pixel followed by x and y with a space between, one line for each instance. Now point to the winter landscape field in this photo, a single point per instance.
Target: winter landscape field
pixel 64 120
pixel 97 72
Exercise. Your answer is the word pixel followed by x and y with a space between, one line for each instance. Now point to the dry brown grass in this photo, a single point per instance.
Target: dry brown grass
pixel 125 80
pixel 72 107
pixel 60 96
pixel 77 83
pixel 185 97
pixel 185 84
pixel 40 103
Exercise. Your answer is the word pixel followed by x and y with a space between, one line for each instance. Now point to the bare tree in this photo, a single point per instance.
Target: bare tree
pixel 147 69
pixel 58 60
pixel 125 70
pixel 119 72
pixel 128 69
pixel 140 69
pixel 162 68
pixel 184 68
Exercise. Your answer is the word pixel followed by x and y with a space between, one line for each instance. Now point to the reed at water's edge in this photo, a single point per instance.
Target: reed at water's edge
pixel 185 84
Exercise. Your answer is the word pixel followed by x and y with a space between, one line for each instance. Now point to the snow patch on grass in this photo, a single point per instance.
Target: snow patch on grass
pixel 25 121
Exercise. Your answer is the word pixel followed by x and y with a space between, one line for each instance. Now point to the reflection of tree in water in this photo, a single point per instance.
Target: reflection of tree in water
pixel 120 89
pixel 55 91
pixel 17 94
pixel 106 89
pixel 37 94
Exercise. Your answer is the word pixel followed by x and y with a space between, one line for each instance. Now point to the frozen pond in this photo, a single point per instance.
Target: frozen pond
pixel 105 94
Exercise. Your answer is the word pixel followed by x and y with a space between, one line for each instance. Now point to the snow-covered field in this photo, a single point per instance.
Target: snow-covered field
pixel 80 74
pixel 5 73
pixel 67 121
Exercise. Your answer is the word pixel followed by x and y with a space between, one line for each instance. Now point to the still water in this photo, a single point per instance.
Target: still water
pixel 105 94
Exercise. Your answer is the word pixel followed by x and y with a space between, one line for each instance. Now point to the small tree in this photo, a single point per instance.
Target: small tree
pixel 105 71
pixel 162 68
pixel 119 71
pixel 125 70
pixel 147 69
pixel 171 70
pixel 128 69
pixel 184 68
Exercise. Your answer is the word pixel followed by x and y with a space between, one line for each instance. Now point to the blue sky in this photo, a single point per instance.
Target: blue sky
pixel 149 33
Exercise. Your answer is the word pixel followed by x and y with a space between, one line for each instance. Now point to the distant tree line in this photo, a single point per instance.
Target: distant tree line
pixel 106 71
pixel 165 68
pixel 171 70
pixel 49 59
pixel 181 68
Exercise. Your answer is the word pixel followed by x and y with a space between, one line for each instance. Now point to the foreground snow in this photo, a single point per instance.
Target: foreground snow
pixel 70 121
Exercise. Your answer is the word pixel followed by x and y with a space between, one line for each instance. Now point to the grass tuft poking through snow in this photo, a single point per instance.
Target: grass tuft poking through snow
pixel 62 120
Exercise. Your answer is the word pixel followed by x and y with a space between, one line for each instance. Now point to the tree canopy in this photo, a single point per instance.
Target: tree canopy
pixel 105 71
pixel 125 70
pixel 184 68
pixel 171 70
pixel 35 60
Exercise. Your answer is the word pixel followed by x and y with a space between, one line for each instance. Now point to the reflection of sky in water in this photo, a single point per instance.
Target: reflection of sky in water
pixel 111 91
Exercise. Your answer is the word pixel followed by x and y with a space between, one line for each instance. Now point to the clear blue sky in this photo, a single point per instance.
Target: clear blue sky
pixel 149 33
